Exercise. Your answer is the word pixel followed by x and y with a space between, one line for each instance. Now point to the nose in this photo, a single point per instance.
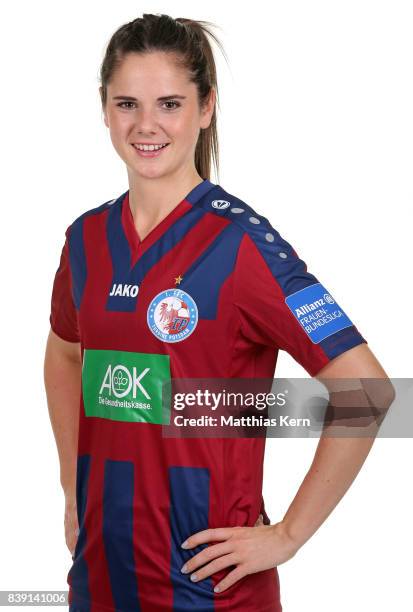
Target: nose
pixel 146 121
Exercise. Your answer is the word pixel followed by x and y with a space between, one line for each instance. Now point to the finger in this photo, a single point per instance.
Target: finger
pixel 260 521
pixel 230 579
pixel 214 566
pixel 207 554
pixel 208 535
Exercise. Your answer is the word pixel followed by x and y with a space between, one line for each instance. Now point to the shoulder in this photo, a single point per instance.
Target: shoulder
pixel 254 226
pixel 262 249
pixel 77 223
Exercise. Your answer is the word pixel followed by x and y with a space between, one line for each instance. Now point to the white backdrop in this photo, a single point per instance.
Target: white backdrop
pixel 316 133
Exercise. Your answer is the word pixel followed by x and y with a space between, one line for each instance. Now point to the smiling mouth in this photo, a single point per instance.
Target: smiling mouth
pixel 151 151
pixel 153 147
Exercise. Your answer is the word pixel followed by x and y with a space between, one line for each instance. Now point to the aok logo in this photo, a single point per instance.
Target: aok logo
pixel 125 385
pixel 120 381
pixel 124 290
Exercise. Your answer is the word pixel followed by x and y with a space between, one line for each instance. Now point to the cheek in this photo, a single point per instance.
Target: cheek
pixel 119 125
pixel 119 136
pixel 184 127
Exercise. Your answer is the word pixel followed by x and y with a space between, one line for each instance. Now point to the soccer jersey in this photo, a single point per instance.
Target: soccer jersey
pixel 213 291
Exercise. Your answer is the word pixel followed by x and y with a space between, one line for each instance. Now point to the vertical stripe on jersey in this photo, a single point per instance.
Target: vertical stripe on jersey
pixel 220 259
pixel 118 533
pixel 189 511
pixel 77 259
pixel 77 254
pixel 78 574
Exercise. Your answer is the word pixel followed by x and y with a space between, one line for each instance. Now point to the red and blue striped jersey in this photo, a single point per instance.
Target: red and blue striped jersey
pixel 213 291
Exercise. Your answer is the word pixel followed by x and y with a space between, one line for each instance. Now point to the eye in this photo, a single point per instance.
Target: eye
pixel 175 102
pixel 126 102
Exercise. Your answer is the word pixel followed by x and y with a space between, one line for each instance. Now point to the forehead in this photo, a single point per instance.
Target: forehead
pixel 150 73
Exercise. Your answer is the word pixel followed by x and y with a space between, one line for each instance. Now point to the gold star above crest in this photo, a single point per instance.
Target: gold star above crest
pixel 178 280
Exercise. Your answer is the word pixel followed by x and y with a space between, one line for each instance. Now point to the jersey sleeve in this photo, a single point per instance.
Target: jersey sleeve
pixel 63 314
pixel 282 305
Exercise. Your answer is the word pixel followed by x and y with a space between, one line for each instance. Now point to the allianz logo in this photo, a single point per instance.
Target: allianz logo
pixel 124 290
pixel 306 308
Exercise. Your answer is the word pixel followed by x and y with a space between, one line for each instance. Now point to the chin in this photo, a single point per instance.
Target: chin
pixel 147 173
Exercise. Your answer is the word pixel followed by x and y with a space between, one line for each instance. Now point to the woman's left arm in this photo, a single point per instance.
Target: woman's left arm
pixel 338 459
pixel 336 463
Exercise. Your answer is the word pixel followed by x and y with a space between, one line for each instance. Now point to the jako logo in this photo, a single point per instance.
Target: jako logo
pixel 306 308
pixel 124 290
pixel 220 204
pixel 119 381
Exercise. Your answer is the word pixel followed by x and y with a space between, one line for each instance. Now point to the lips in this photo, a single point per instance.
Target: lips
pixel 154 153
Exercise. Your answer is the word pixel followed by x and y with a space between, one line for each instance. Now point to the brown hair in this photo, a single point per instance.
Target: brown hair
pixel 188 40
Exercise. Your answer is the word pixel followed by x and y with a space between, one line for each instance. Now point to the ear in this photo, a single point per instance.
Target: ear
pixel 208 109
pixel 105 116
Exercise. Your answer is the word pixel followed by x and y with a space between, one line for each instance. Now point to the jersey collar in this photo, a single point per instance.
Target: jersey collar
pixel 137 246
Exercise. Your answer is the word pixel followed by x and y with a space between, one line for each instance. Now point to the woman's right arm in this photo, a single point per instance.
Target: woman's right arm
pixel 62 377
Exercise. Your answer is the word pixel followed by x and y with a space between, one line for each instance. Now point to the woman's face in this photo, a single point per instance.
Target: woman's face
pixel 151 100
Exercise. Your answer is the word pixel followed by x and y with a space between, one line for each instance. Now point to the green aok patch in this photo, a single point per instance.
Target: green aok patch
pixel 124 385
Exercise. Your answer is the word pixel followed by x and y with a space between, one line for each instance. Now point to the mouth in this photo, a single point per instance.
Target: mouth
pixel 150 150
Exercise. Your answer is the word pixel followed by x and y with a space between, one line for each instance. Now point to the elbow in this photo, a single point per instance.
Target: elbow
pixel 381 395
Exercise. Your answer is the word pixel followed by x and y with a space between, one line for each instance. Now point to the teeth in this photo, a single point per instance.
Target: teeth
pixel 149 147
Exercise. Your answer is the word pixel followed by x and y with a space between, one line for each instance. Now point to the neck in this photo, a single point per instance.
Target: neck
pixel 153 198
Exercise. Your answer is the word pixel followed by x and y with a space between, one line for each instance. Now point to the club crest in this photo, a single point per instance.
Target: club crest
pixel 172 315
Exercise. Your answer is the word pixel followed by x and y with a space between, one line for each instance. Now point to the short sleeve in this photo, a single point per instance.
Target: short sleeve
pixel 282 305
pixel 63 314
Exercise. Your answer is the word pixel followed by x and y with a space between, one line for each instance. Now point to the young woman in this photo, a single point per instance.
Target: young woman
pixel 177 278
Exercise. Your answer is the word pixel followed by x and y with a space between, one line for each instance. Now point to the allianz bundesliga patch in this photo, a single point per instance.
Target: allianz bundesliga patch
pixel 172 315
pixel 317 312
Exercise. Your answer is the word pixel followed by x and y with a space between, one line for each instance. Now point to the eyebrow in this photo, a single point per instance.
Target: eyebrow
pixel 132 99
